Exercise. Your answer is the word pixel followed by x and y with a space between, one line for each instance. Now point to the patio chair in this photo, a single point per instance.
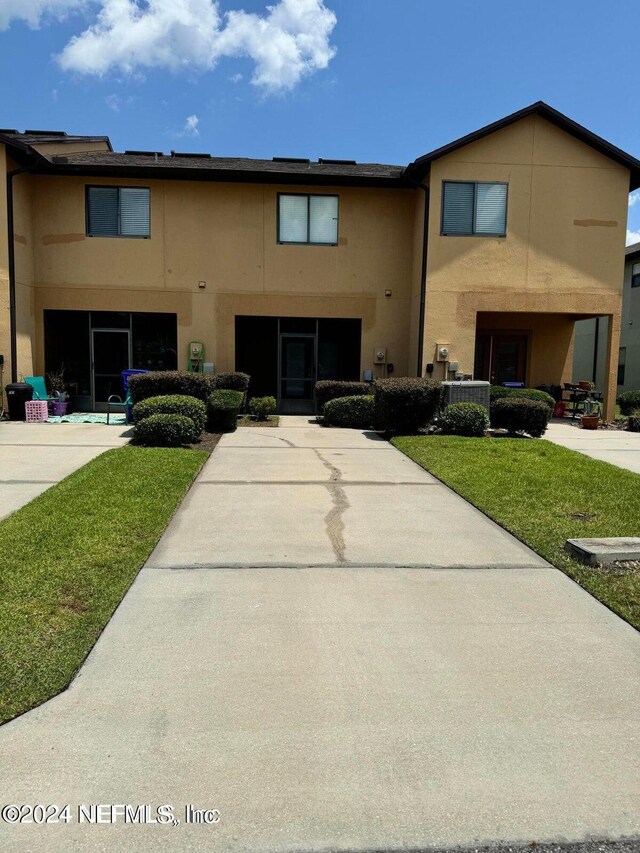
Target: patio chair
pixel 39 388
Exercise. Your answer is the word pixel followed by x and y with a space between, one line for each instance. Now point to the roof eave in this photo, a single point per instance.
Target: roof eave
pixel 153 172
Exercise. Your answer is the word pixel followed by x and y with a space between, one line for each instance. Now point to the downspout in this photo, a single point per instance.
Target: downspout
pixel 423 279
pixel 11 256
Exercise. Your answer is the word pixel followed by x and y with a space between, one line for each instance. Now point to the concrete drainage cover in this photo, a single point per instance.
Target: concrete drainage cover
pixel 610 550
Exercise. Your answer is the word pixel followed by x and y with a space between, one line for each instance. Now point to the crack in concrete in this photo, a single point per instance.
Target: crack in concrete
pixel 334 524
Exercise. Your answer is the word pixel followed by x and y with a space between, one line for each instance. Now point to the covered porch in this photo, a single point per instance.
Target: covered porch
pixel 536 349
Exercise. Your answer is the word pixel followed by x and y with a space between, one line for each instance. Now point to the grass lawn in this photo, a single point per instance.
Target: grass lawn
pixel 544 494
pixel 69 557
pixel 248 421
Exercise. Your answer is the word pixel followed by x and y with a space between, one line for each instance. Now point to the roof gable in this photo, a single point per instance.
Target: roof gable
pixel 420 167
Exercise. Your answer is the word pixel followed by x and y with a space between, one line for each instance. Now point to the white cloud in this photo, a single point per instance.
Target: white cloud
pixel 286 44
pixel 634 198
pixel 191 126
pixel 235 78
pixel 113 102
pixel 632 237
pixel 35 12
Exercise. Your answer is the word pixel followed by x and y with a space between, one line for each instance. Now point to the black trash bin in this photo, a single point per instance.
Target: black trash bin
pixel 18 393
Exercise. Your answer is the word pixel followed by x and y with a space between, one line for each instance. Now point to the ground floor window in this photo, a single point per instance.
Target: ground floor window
pixel 96 346
pixel 285 356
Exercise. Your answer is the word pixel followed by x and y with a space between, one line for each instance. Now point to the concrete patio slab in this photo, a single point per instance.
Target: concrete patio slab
pixel 312 436
pixel 617 447
pixel 34 457
pixel 471 705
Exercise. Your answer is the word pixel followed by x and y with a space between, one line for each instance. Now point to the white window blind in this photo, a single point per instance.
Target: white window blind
pixel 134 212
pixel 457 208
pixel 308 219
pixel 293 219
pixel 491 208
pixel 118 212
pixel 474 207
pixel 323 219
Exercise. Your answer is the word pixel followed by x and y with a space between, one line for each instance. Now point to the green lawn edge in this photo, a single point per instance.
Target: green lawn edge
pixel 543 494
pixel 69 557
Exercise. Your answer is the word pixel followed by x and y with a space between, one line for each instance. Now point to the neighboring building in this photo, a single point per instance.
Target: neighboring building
pixel 590 355
pixel 476 258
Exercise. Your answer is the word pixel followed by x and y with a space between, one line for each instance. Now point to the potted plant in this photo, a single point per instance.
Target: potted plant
pixel 58 390
pixel 591 416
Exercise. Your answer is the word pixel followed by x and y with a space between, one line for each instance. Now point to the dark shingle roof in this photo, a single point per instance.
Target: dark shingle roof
pixel 201 167
pixel 35 137
pixel 632 251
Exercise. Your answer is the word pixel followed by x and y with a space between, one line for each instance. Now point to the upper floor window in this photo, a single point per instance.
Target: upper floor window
pixel 635 275
pixel 118 212
pixel 308 219
pixel 474 208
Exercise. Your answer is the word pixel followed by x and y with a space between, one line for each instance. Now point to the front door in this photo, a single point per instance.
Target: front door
pixel 297 373
pixel 501 357
pixel 110 355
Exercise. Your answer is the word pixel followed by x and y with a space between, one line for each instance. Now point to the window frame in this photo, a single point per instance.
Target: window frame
pixel 308 241
pixel 118 236
pixel 473 232
pixel 635 277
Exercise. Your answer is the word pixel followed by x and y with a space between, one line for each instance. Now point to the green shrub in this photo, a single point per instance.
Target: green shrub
pixel 262 407
pixel 633 424
pixel 165 430
pixel 232 381
pixel 469 419
pixel 497 392
pixel 405 404
pixel 333 389
pixel 355 412
pixel 172 404
pixel 168 382
pixel 629 402
pixel 222 410
pixel 517 414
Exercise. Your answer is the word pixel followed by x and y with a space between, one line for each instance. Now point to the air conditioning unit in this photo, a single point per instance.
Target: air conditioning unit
pixel 469 391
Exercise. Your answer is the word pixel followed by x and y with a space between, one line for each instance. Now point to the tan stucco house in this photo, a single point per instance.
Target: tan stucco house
pixel 476 259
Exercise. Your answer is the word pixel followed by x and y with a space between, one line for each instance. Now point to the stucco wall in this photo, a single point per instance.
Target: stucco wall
pixel 225 235
pixel 564 249
pixel 4 273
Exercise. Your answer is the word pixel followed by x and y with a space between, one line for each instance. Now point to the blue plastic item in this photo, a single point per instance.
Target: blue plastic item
pixel 127 397
pixel 39 387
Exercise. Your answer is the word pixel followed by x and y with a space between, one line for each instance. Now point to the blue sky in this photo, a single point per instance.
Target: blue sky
pixel 371 80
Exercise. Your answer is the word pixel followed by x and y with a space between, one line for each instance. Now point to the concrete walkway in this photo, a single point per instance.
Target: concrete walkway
pixel 34 457
pixel 273 662
pixel 618 447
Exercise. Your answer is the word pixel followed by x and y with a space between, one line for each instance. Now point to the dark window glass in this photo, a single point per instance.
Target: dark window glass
pixel 155 341
pixel 635 275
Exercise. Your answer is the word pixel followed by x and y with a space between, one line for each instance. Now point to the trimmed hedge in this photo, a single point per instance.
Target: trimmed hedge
pixel 356 412
pixel 497 392
pixel 470 419
pixel 232 381
pixel 633 424
pixel 222 410
pixel 165 430
pixel 172 404
pixel 333 389
pixel 160 383
pixel 629 402
pixel 262 407
pixel 520 415
pixel 405 404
